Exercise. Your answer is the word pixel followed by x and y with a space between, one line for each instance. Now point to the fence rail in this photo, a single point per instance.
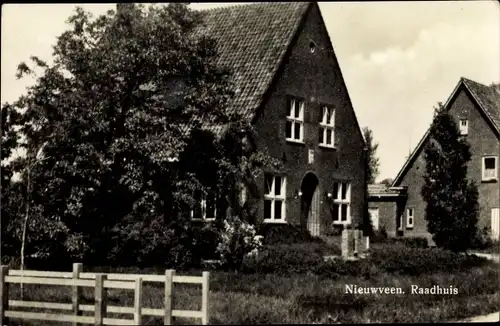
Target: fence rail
pixel 100 282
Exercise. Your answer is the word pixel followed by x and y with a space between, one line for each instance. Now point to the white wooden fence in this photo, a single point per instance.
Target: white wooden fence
pixel 100 282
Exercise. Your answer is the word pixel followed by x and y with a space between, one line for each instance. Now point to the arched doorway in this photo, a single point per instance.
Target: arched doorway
pixel 310 204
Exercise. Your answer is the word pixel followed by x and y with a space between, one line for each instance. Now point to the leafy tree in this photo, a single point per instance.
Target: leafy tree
pixel 109 130
pixel 452 201
pixel 10 139
pixel 373 161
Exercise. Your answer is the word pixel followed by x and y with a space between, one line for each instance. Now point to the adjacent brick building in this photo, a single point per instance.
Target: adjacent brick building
pixel 476 108
pixel 289 84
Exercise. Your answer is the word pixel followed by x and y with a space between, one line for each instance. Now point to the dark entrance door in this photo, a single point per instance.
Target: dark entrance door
pixel 310 204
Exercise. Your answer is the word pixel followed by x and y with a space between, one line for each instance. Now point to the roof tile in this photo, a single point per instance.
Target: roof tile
pixel 252 41
pixel 488 98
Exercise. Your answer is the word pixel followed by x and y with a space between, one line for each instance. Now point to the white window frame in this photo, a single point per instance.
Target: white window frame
pixel 464 130
pixel 328 123
pixel 337 199
pixel 297 122
pixel 410 218
pixel 203 204
pixel 273 198
pixel 495 170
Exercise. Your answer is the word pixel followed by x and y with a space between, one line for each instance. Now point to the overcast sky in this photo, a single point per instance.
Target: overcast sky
pixel 398 58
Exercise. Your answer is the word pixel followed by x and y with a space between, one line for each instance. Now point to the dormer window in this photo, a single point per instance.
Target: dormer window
pixel 327 127
pixel 464 126
pixel 295 121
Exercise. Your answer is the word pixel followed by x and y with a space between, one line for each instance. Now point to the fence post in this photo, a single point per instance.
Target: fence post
pixel 204 298
pixel 4 293
pixel 76 290
pixel 100 299
pixel 169 298
pixel 138 301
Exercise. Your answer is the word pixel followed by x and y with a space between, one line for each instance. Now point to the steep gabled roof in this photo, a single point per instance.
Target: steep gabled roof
pixel 252 41
pixel 486 97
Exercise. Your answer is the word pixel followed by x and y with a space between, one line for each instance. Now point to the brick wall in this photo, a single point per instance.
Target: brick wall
pixel 483 141
pixel 316 78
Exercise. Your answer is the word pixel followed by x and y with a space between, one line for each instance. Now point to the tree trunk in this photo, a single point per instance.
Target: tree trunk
pixel 25 226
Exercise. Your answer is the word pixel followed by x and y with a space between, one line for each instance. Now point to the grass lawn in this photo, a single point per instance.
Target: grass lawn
pixel 238 298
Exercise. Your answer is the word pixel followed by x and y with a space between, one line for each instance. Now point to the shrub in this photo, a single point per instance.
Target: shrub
pixel 482 238
pixel 417 242
pixel 207 238
pixel 379 235
pixel 237 239
pixel 417 261
pixel 285 234
pixel 284 260
pixel 334 268
pixel 335 230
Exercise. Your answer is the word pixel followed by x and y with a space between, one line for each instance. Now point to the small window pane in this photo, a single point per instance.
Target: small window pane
pixel 328 136
pixel 297 109
pixel 344 190
pixel 269 184
pixel 277 185
pixel 291 109
pixel 297 131
pixel 267 209
pixel 210 208
pixel 277 209
pixel 335 190
pixel 203 208
pixel 344 212
pixel 289 129
pixel 335 212
pixel 489 163
pixel 320 135
pixel 332 116
pixel 197 210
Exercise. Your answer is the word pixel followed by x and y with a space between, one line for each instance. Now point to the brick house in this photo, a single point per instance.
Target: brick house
pixel 476 108
pixel 290 86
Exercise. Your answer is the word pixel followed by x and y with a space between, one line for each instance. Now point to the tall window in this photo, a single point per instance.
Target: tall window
pixel 327 127
pixel 341 209
pixel 295 121
pixel 490 168
pixel 205 208
pixel 274 198
pixel 464 126
pixel 409 218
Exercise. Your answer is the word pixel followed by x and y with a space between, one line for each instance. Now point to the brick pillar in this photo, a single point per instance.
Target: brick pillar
pixel 347 243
